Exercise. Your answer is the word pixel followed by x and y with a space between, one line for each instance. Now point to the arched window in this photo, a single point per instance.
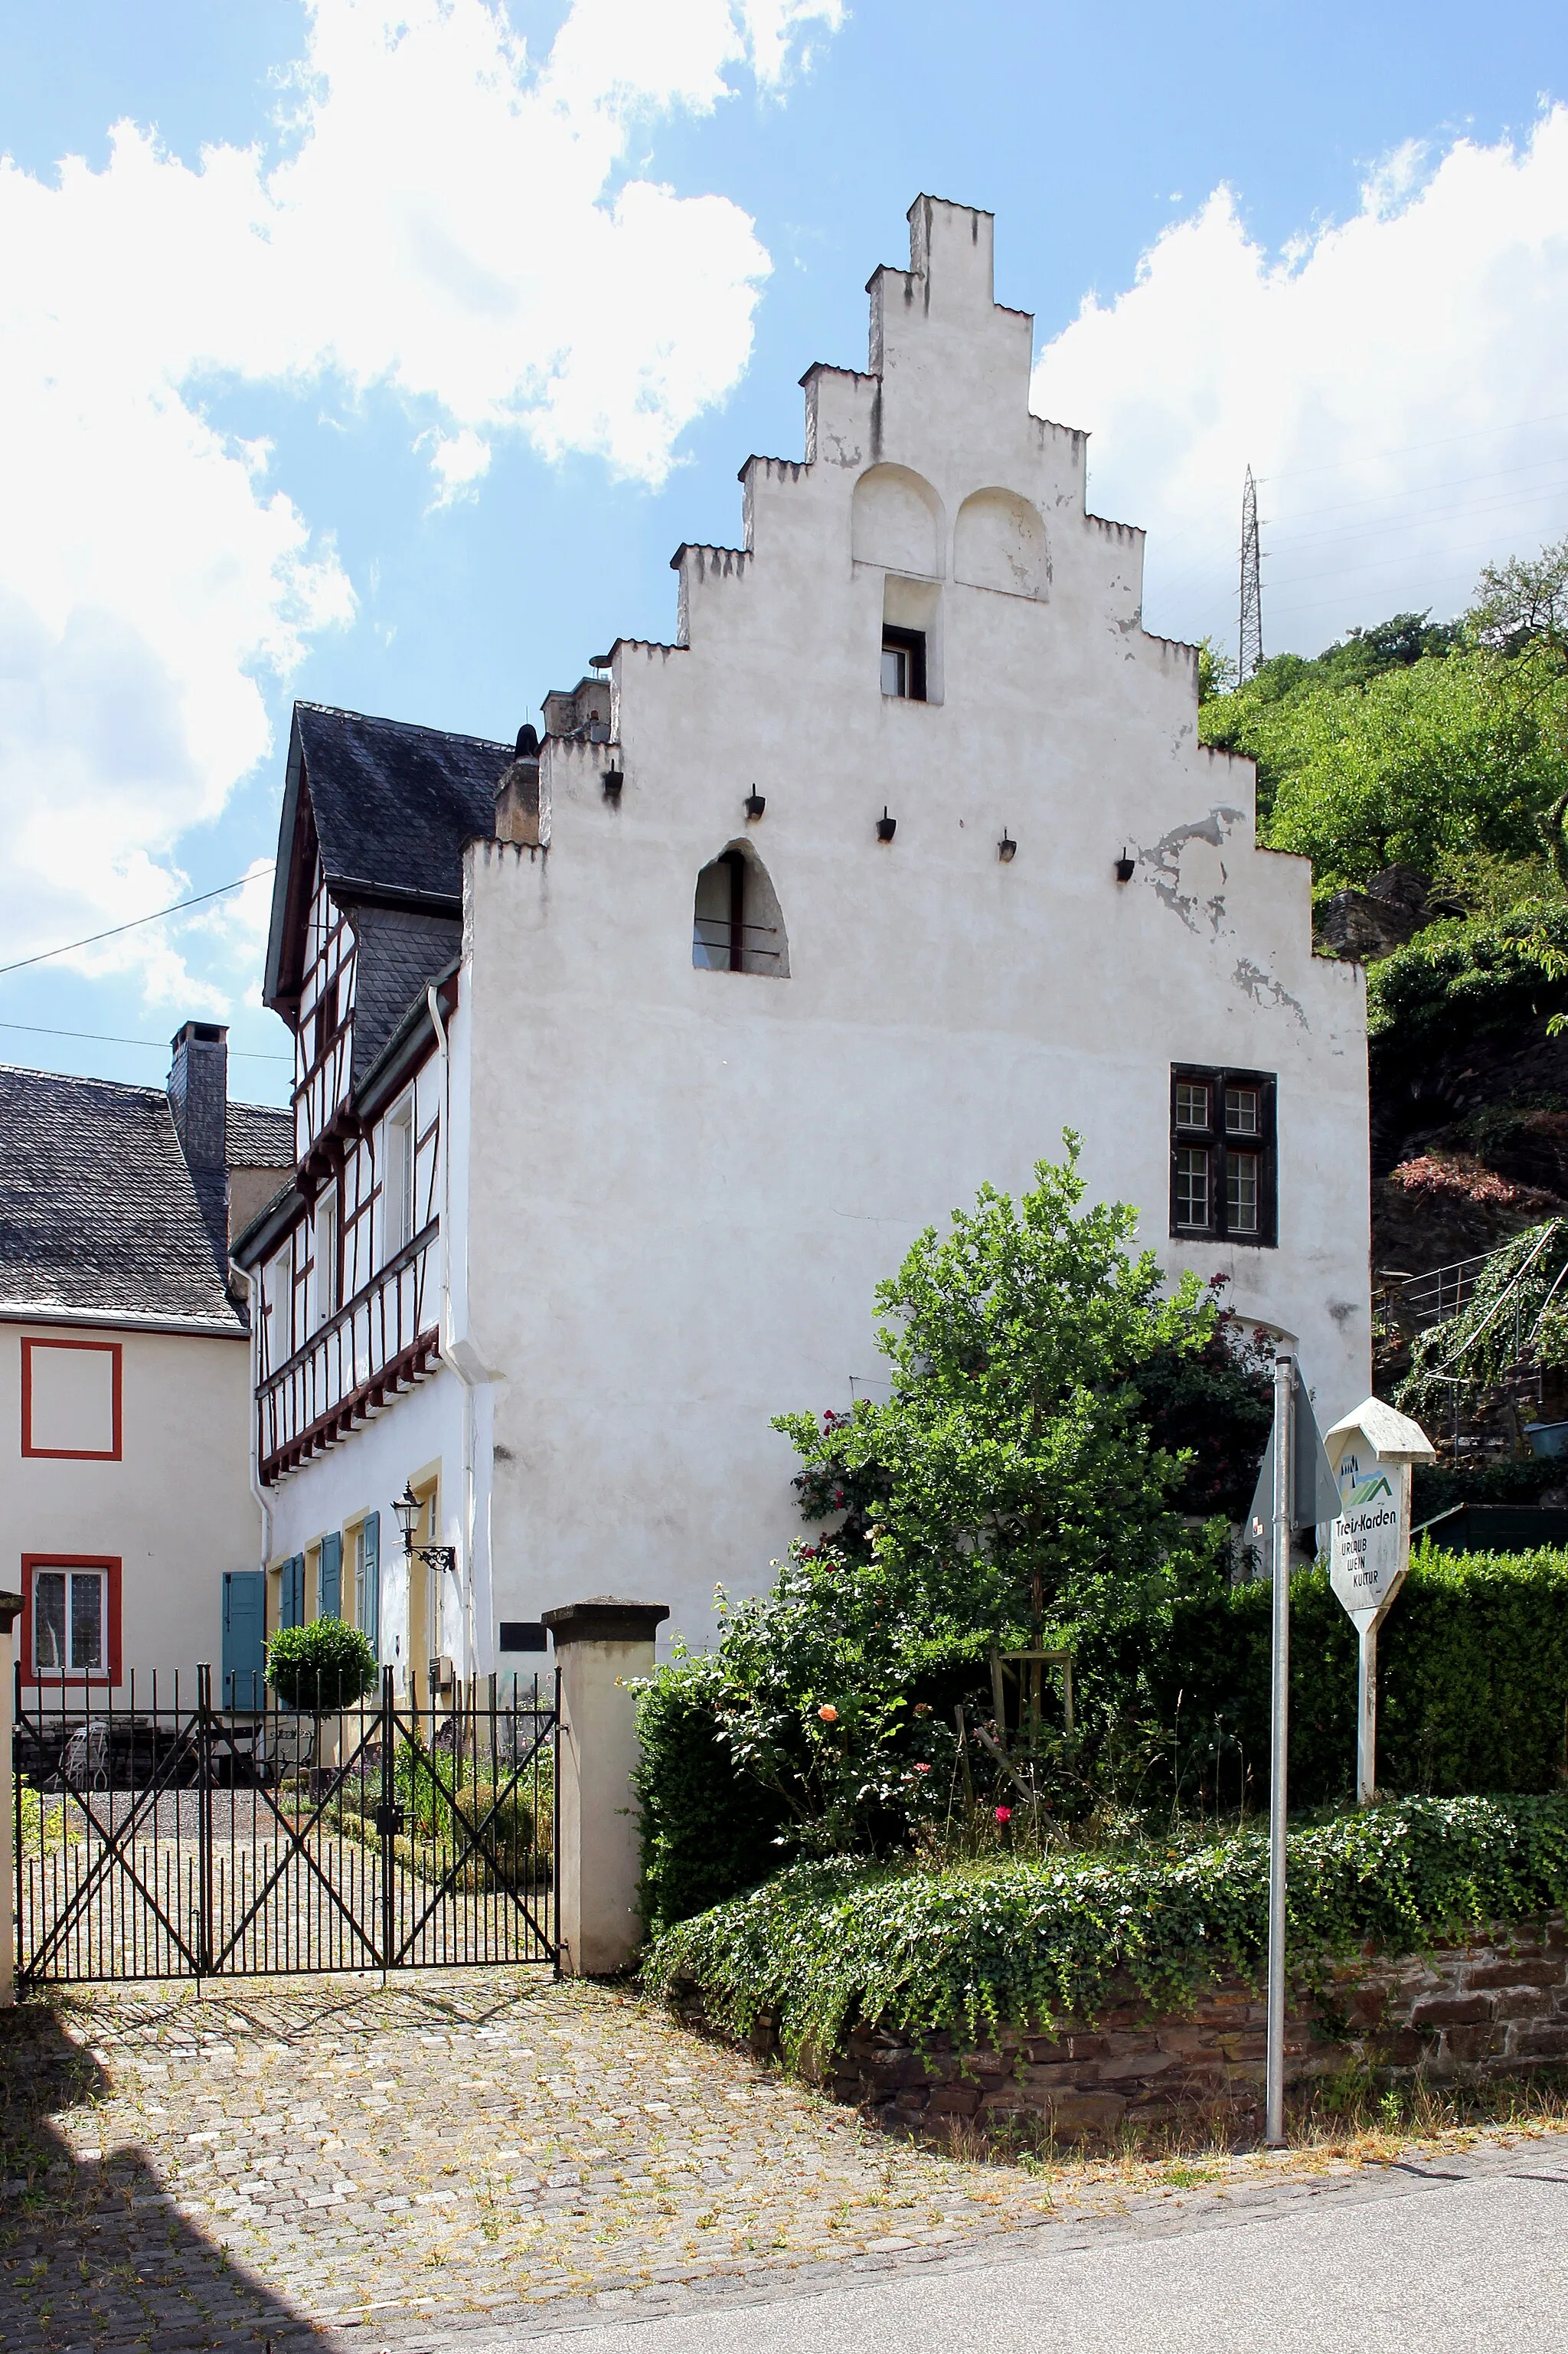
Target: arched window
pixel 737 925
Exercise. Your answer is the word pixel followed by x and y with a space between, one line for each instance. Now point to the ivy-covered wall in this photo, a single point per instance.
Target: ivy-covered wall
pixel 1473 1681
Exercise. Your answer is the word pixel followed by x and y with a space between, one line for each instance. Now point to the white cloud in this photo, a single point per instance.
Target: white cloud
pixel 439 217
pixel 1399 383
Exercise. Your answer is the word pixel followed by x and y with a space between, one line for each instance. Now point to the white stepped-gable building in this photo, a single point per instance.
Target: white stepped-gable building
pixel 628 1065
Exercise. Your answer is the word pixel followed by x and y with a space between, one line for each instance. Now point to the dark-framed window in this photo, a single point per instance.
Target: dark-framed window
pixel 904 664
pixel 1225 1178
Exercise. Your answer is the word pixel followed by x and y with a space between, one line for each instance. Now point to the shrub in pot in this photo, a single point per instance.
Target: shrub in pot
pixel 323 1665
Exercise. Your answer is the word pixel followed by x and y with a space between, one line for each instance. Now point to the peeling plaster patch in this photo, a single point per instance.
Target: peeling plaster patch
pixel 1192 905
pixel 1262 988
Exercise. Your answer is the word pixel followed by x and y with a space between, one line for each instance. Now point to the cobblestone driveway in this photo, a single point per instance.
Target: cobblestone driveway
pixel 324 2163
pixel 329 2163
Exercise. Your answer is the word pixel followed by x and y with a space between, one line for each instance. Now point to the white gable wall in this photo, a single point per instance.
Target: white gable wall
pixel 683 1185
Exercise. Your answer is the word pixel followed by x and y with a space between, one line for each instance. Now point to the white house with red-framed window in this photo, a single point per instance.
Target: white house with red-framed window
pixel 629 1063
pixel 127 1515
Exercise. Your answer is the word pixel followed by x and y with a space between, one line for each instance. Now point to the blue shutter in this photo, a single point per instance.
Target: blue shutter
pixel 329 1603
pixel 370 1573
pixel 292 1592
pixel 244 1637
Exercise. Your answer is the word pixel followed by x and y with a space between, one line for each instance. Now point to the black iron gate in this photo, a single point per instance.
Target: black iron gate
pixel 168 1838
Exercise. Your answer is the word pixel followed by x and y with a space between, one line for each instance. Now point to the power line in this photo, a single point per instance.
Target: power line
pixel 155 917
pixel 1166 541
pixel 1162 544
pixel 1180 584
pixel 1404 449
pixel 107 1038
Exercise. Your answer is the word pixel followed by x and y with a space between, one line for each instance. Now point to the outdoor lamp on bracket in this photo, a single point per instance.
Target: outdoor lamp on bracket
pixel 434 1556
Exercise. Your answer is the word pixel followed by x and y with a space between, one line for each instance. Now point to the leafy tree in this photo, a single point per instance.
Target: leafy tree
pixel 1525 604
pixel 1021 1495
pixel 325 1666
pixel 1422 763
pixel 1213 1407
pixel 1217 672
pixel 1458 981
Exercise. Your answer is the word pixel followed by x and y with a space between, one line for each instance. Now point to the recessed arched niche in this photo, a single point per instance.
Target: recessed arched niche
pixel 897 522
pixel 737 925
pixel 999 542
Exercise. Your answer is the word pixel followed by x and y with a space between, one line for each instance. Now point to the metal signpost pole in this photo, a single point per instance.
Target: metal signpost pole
pixel 1279 1726
pixel 1366 1712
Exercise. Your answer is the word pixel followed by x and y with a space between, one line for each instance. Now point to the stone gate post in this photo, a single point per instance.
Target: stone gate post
pixel 599 1645
pixel 10 1611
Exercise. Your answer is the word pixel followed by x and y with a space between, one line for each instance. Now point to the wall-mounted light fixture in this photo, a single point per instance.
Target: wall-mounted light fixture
pixel 887 827
pixel 1124 867
pixel 1006 849
pixel 612 781
pixel 755 803
pixel 435 1556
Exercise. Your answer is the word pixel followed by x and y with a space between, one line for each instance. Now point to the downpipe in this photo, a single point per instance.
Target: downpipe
pixel 452 1355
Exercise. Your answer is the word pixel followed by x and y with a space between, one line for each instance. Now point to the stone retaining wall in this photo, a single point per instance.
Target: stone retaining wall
pixel 1496 2005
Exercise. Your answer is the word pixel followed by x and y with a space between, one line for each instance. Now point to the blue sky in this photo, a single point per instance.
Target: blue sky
pixel 385 353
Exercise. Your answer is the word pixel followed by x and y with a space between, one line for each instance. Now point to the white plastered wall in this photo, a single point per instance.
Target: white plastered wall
pixel 686 1185
pixel 176 1509
pixel 419 1437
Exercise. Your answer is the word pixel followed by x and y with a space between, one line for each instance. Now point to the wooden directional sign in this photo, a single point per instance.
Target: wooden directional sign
pixel 1368 1543
pixel 1372 1451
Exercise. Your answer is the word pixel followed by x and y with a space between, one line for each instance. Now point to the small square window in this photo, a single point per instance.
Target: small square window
pixel 1193 1188
pixel 1191 1104
pixel 1243 1111
pixel 904 665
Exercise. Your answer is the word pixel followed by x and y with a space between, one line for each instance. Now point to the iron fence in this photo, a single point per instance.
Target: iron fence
pixel 162 1836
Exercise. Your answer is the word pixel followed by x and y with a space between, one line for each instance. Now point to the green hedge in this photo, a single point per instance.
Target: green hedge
pixel 1473 1676
pixel 974 1949
pixel 707 1830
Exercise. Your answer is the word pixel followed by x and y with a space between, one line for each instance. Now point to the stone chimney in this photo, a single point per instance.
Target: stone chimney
pixel 198 1101
pixel 517 794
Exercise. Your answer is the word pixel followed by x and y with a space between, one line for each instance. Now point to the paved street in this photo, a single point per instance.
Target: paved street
pixel 1451 2256
pixel 476 2159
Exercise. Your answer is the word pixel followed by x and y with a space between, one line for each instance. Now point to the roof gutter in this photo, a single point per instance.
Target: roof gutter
pixel 121 1319
pixel 359 889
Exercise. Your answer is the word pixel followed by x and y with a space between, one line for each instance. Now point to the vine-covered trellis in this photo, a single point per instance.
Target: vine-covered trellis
pixel 1516 1321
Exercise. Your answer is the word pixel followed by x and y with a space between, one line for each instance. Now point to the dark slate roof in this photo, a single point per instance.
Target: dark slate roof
pixel 393 804
pixel 98 1212
pixel 399 950
pixel 259 1136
